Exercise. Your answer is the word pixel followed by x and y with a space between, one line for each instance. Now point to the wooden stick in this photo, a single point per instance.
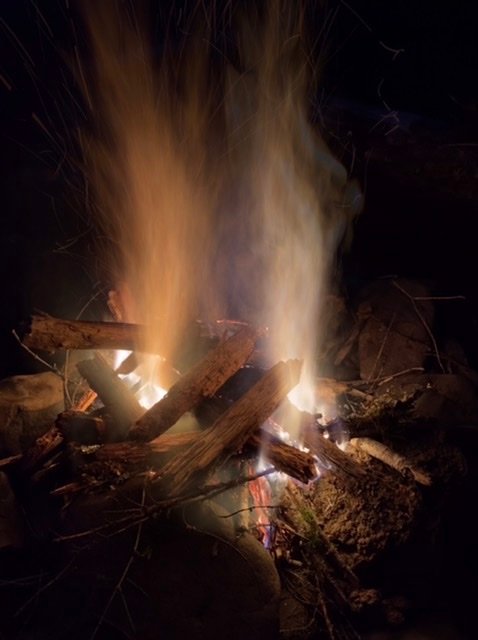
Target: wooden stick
pixel 203 380
pixel 290 460
pixel 49 334
pixel 233 428
pixel 383 453
pixel 119 401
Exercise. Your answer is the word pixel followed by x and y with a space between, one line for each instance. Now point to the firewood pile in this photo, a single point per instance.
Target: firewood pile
pixel 99 477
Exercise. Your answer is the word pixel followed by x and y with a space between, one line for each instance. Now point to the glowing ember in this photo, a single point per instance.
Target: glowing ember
pixel 261 493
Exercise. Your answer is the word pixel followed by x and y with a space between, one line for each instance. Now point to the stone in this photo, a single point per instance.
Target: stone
pixel 28 406
pixel 192 575
pixel 394 337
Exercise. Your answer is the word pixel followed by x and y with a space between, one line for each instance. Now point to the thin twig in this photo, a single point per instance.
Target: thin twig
pixel 439 298
pixel 123 576
pixel 52 367
pixel 162 505
pixel 46 586
pixel 382 347
pixel 423 321
pixel 398 374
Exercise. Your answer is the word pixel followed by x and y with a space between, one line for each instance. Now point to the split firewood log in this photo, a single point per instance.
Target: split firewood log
pixel 203 380
pixel 48 334
pixel 232 429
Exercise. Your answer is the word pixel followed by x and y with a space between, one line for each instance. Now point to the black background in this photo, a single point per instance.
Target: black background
pixel 408 63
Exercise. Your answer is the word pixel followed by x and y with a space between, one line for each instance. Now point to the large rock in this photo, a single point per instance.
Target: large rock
pixel 192 575
pixel 394 335
pixel 28 406
pixel 438 399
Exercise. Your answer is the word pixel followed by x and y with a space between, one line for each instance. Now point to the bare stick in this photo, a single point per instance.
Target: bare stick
pixel 203 380
pixel 391 458
pixel 329 454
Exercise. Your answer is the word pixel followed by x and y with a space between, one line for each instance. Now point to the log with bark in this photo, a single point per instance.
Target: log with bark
pixel 140 456
pixel 232 429
pixel 202 381
pixel 46 333
pixel 49 334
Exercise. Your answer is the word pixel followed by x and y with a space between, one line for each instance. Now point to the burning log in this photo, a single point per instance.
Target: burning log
pixel 119 401
pixel 290 460
pixel 329 454
pixel 138 456
pixel 48 334
pixel 203 380
pixel 233 428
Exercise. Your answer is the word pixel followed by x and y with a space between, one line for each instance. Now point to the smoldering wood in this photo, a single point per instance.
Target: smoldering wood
pixel 118 399
pixel 310 431
pixel 49 334
pixel 140 456
pixel 284 457
pixel 203 380
pixel 233 428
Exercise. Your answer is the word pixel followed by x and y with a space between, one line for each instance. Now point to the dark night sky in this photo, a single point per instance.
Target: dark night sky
pixel 418 58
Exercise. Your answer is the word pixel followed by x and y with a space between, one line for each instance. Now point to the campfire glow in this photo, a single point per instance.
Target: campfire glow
pixel 142 379
pixel 213 217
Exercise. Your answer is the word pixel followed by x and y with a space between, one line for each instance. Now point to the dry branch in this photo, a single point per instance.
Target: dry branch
pixel 329 454
pixel 203 380
pixel 232 429
pixel 48 334
pixel 383 453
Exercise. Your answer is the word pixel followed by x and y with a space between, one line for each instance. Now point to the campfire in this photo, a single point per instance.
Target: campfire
pixel 231 449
